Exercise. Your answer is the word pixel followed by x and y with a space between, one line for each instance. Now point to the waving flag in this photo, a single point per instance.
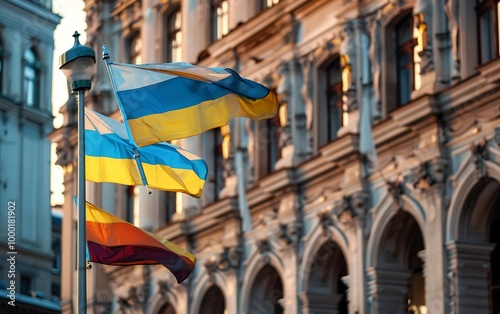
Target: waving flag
pixel 113 241
pixel 162 102
pixel 110 157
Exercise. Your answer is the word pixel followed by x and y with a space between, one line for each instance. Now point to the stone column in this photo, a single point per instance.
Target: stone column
pixel 149 32
pixel 356 72
pixel 388 290
pixel 468 277
pixel 314 303
pixel 294 137
pixel 467 26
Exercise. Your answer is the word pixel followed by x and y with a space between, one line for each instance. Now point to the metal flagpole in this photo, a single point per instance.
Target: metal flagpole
pixel 78 65
pixel 82 237
pixel 137 156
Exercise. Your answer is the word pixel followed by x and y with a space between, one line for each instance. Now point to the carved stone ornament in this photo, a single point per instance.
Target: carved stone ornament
pixel 229 258
pixel 396 189
pixel 423 178
pixel 325 222
pixel 480 155
pixel 289 234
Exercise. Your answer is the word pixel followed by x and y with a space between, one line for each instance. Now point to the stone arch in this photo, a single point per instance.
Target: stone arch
pixel 385 213
pixel 473 240
pixel 314 241
pixel 467 181
pixel 395 257
pixel 203 285
pixel 213 301
pixel 255 264
pixel 163 303
pixel 326 289
pixel 166 308
pixel 266 292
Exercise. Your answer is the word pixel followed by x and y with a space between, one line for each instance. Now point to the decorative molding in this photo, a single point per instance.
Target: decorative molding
pixel 290 234
pixel 229 258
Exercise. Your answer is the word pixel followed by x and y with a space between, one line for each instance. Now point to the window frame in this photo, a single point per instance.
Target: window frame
pixel 218 163
pixel 483 8
pixel 326 90
pixel 34 67
pixel 218 19
pixel 401 49
pixel 171 32
pixel 134 56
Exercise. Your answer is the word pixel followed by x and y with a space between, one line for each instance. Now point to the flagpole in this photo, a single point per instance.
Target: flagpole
pixel 78 65
pixel 137 156
pixel 82 264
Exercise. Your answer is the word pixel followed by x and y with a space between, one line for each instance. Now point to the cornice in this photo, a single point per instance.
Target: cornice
pixel 341 150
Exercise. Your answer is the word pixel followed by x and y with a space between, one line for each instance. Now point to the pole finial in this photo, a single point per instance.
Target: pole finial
pixel 77 41
pixel 105 53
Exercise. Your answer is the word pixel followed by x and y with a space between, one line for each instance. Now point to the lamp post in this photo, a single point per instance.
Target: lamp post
pixel 78 65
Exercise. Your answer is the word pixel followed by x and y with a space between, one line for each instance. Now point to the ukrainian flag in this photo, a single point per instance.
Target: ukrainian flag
pixel 109 157
pixel 113 241
pixel 162 102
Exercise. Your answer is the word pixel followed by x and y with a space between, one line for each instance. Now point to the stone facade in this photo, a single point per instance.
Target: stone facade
pixel 374 190
pixel 26 251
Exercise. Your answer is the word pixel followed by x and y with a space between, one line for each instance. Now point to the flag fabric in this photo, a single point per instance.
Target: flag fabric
pixel 113 241
pixel 162 102
pixel 109 157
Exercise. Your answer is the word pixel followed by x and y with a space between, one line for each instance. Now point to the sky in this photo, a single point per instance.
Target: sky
pixel 73 19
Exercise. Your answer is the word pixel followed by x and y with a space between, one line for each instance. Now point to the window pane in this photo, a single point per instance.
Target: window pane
pixel 31 80
pixel 218 176
pixel 486 33
pixel 406 67
pixel 174 53
pixel 273 149
pixel 334 99
pixel 220 19
pixel 135 46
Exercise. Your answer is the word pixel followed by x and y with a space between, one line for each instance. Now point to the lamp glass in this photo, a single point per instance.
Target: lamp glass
pixel 81 68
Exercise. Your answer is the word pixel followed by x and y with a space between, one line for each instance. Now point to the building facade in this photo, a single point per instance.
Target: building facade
pixel 27 273
pixel 374 190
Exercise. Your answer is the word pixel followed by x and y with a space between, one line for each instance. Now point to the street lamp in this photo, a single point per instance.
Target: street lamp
pixel 78 65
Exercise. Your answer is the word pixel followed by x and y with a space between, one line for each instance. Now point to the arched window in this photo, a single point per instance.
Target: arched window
pixel 173 32
pixel 31 73
pixel 219 19
pixel 134 49
pixel 213 302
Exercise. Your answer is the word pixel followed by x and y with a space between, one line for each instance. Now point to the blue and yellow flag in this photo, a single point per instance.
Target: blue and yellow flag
pixel 162 102
pixel 110 157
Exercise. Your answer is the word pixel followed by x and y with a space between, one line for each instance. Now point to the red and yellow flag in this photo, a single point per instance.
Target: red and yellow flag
pixel 113 241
